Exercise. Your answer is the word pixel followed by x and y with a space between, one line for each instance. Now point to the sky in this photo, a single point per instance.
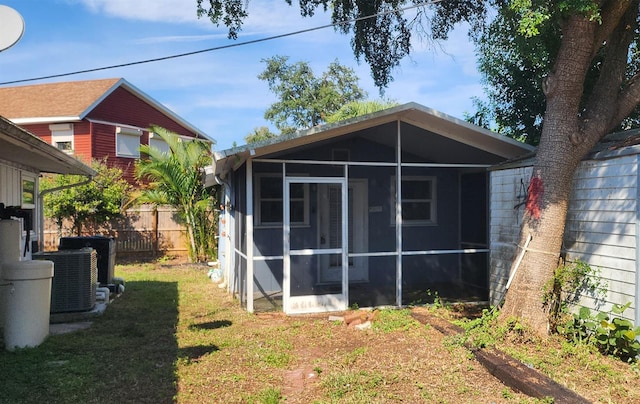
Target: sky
pixel 218 92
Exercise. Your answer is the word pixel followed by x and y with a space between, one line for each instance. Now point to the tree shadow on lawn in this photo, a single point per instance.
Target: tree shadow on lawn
pixel 212 325
pixel 127 356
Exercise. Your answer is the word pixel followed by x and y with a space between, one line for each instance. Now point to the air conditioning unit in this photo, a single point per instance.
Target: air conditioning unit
pixel 75 273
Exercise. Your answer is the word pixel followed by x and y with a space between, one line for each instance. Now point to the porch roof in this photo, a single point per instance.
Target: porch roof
pixel 28 150
pixel 427 121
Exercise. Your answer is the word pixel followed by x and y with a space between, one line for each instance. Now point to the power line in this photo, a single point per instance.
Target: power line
pixel 234 45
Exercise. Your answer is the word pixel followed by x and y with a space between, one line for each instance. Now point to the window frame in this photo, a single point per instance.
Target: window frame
pixel 127 134
pixel 62 134
pixel 159 143
pixel 433 219
pixel 259 221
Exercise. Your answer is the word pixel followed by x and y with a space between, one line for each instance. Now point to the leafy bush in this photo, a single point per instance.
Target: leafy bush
pixel 85 203
pixel 609 332
pixel 569 282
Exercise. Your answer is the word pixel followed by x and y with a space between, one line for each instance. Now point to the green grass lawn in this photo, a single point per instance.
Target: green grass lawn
pixel 174 336
pixel 128 354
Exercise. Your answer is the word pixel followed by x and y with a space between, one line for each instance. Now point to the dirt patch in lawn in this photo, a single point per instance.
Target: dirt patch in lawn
pixel 270 357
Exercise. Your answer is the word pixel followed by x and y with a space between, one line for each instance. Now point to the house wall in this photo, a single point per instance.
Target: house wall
pixel 10 184
pixel 104 146
pixel 507 191
pixel 121 106
pixel 82 141
pixel 83 145
pixel 40 129
pixel 601 227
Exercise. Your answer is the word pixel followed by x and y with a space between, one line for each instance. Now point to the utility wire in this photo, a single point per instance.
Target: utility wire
pixel 234 45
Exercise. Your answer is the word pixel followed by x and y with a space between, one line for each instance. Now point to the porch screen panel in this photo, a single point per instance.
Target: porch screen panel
pixel 305 277
pixel 238 211
pixel 380 287
pixel 334 236
pixel 430 209
pixel 267 285
pixel 315 250
pixel 450 276
pixel 314 170
pixel 373 145
pixel 377 208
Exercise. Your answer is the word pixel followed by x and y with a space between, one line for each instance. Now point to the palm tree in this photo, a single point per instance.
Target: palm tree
pixel 174 178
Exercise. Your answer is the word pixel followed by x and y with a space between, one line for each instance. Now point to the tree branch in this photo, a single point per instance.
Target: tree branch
pixel 627 101
pixel 603 103
pixel 610 14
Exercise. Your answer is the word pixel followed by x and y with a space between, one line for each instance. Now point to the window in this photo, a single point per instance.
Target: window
pixel 157 142
pixel 62 136
pixel 269 201
pixel 418 200
pixel 128 142
pixel 28 191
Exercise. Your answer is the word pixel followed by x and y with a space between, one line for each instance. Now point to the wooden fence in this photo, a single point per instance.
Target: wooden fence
pixel 143 232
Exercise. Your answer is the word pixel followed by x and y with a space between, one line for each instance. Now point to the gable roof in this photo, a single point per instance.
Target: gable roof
pixel 426 120
pixel 24 148
pixel 70 101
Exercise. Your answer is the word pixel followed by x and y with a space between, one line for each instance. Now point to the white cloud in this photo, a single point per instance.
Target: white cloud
pixel 166 11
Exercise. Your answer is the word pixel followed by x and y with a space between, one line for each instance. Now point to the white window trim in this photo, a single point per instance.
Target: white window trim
pixel 258 199
pixel 62 133
pixel 433 213
pixel 125 134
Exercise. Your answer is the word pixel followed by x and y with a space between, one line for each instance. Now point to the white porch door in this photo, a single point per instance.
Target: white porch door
pixel 330 218
pixel 303 291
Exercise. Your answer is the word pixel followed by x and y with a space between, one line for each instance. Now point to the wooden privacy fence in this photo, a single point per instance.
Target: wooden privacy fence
pixel 143 232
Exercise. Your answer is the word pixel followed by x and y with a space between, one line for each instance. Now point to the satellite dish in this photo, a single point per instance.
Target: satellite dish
pixel 11 27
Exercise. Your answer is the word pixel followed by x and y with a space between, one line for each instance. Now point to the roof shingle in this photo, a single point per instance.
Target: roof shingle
pixel 52 99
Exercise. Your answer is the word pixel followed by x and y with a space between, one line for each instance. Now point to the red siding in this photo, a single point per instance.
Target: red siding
pixel 123 107
pixel 104 140
pixel 40 129
pixel 82 142
pixel 81 137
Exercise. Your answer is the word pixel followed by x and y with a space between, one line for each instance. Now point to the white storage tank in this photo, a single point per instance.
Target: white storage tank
pixel 10 241
pixel 27 304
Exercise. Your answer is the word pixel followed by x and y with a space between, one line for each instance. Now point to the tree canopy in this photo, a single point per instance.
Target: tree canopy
pixel 381 30
pixel 92 203
pixel 358 108
pixel 513 67
pixel 259 134
pixel 304 99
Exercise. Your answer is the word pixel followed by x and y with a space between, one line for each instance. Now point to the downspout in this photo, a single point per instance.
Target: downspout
pixel 41 207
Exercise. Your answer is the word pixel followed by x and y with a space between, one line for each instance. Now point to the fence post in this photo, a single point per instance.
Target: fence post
pixel 154 232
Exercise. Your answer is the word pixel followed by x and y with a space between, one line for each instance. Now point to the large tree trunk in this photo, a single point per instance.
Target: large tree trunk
pixel 573 124
pixel 545 217
pixel 549 190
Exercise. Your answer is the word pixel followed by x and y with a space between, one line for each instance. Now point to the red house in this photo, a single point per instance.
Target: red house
pixel 94 119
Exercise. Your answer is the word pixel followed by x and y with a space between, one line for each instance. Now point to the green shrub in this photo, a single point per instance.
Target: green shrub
pixel 569 282
pixel 609 332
